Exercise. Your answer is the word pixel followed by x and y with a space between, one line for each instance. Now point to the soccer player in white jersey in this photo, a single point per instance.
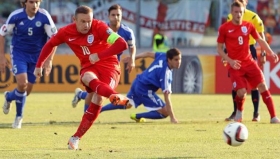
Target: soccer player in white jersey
pixel 30 28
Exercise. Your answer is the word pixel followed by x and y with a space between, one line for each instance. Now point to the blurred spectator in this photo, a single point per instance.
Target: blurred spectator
pixel 270 24
pixel 160 41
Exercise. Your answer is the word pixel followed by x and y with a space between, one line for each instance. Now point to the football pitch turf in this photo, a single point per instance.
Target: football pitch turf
pixel 49 121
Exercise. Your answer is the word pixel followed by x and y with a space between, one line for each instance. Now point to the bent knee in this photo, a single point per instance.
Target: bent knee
pixel 87 77
pixel 22 85
pixel 262 87
pixel 241 93
pixel 97 99
pixel 163 112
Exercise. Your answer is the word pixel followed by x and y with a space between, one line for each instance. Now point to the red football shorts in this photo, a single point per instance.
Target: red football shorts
pixel 250 74
pixel 110 76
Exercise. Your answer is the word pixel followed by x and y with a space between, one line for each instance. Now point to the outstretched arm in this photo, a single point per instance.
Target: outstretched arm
pixel 47 50
pixel 139 56
pixel 145 54
pixel 48 63
pixel 169 107
pixel 131 62
pixel 263 55
pixel 268 50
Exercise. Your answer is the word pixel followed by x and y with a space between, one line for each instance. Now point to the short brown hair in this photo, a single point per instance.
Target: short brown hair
pixel 171 53
pixel 83 10
pixel 243 1
pixel 114 7
pixel 237 4
pixel 22 2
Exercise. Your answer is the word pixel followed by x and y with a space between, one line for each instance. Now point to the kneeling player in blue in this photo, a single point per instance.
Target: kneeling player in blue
pixel 143 90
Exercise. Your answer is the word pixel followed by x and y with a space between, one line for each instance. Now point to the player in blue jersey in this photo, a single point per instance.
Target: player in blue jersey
pixel 115 16
pixel 30 28
pixel 143 90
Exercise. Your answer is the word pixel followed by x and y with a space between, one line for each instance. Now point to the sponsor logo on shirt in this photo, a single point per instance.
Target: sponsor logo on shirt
pixel 21 23
pixel 90 38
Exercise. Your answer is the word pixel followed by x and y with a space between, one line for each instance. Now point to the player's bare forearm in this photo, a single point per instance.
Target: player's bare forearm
pixel 263 37
pixel 169 107
pixel 48 63
pixel 131 62
pixel 3 60
pixel 221 52
pixel 264 45
pixel 2 45
pixel 132 52
pixel 144 55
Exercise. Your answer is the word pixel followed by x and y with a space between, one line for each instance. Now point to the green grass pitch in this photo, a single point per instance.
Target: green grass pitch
pixel 49 121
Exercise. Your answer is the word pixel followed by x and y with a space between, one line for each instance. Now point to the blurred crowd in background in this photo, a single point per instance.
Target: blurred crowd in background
pixel 193 20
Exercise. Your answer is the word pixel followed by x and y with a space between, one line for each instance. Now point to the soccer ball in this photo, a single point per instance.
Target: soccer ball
pixel 235 134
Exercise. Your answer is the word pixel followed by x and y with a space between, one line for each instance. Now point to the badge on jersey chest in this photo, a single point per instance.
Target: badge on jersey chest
pixel 244 29
pixel 90 38
pixel 38 24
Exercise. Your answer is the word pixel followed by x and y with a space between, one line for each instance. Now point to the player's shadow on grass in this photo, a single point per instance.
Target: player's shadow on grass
pixel 98 122
pixel 66 123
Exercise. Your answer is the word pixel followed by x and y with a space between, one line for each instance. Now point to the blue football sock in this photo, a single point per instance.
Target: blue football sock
pixel 150 115
pixel 82 95
pixel 112 107
pixel 86 107
pixel 20 102
pixel 11 95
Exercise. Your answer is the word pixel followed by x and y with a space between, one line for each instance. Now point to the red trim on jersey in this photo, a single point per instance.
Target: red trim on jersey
pixel 118 46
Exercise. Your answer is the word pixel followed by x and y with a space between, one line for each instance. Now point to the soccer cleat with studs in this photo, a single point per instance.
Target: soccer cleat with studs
pixel 231 117
pixel 76 98
pixel 256 117
pixel 118 99
pixel 274 120
pixel 133 117
pixel 238 116
pixel 7 105
pixel 73 143
pixel 17 123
